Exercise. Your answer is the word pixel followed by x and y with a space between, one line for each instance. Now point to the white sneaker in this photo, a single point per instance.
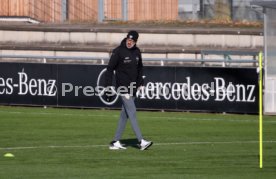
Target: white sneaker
pixel 116 145
pixel 144 144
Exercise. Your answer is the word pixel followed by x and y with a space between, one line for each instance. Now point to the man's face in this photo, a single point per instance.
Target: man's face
pixel 130 43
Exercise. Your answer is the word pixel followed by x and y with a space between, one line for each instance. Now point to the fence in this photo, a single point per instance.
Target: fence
pixel 129 10
pixel 223 59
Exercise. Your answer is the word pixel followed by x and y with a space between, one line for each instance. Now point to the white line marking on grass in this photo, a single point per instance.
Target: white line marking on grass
pixel 157 144
pixel 60 114
pixel 204 143
pixel 53 147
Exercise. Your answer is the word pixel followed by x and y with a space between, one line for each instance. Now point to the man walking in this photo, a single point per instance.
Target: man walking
pixel 126 60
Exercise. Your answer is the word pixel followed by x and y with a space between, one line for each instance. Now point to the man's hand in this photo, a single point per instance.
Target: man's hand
pixel 141 88
pixel 108 94
pixel 107 97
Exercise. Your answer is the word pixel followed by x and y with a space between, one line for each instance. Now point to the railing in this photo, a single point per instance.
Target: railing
pixel 158 61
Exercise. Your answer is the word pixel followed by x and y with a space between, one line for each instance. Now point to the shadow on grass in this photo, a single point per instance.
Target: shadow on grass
pixel 130 143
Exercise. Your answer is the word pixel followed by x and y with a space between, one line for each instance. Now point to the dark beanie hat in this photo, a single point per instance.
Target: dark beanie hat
pixel 133 35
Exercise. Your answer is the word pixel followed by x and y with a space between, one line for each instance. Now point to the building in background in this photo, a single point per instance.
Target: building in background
pixel 56 11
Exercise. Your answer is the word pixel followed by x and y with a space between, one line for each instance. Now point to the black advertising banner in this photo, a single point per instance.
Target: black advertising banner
pixel 200 89
pixel 77 85
pixel 173 88
pixel 220 89
pixel 28 84
pixel 156 87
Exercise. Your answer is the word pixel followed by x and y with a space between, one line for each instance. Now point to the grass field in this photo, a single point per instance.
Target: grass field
pixel 73 143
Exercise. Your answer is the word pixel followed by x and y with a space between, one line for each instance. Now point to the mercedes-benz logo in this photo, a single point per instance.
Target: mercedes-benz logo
pixel 102 90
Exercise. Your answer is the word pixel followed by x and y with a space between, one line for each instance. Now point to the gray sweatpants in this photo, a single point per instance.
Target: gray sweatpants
pixel 128 111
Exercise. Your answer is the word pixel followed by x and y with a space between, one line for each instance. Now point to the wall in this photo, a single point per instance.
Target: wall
pixel 87 10
pixel 141 10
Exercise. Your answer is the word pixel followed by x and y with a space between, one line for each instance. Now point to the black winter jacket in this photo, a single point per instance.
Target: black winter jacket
pixel 127 64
